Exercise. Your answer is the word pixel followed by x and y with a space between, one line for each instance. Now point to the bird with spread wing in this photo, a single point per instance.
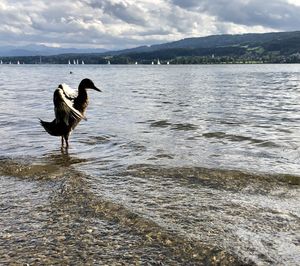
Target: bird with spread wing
pixel 69 109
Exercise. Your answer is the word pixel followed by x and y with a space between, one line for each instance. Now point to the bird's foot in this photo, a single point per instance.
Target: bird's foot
pixel 64 150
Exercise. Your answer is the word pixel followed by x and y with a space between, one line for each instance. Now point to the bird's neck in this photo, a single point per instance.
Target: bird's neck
pixel 81 101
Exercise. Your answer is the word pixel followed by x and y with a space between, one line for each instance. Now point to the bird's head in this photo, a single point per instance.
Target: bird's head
pixel 88 84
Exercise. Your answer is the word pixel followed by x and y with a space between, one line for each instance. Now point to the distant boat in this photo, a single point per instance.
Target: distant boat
pixel 108 62
pixel 136 63
pixel 69 63
pixel 10 62
pixel 158 62
pixel 1 62
pixel 152 63
pixel 18 63
pixel 74 62
pixel 168 63
pixel 82 62
pixel 77 62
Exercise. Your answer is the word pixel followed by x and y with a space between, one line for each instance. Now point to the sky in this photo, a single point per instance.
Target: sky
pixel 119 24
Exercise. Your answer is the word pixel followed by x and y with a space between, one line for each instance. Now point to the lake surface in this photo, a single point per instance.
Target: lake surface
pixel 175 165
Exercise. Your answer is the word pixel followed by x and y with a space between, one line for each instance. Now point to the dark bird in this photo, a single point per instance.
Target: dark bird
pixel 69 108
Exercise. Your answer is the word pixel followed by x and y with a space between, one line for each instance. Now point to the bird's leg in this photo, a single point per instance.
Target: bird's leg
pixel 67 141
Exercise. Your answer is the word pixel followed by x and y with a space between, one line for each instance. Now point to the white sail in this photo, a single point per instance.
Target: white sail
pixel 158 62
pixel 82 62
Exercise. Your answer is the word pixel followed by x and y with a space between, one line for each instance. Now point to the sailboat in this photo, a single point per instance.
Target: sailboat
pixel 136 63
pixel 1 62
pixel 82 62
pixel 74 62
pixel 69 63
pixel 152 63
pixel 108 62
pixel 168 63
pixel 77 62
pixel 158 62
pixel 18 63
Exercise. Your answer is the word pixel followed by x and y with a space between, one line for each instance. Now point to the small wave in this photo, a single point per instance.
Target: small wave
pixel 161 156
pixel 239 138
pixel 173 126
pixel 94 140
pixel 132 145
pixel 220 178
pixel 160 124
pixel 184 126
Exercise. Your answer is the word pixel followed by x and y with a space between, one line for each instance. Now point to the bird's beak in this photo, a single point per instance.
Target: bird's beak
pixel 96 89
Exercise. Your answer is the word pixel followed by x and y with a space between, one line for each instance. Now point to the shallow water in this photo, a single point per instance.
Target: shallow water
pixel 175 164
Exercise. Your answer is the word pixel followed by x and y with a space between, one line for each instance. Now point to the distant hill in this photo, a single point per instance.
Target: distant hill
pixel 276 47
pixel 214 41
pixel 38 50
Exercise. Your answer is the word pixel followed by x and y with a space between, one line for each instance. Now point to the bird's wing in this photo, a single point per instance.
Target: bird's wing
pixel 68 91
pixel 63 107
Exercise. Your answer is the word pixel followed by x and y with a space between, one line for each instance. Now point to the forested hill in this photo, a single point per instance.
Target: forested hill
pixel 279 47
pixel 267 47
pixel 214 41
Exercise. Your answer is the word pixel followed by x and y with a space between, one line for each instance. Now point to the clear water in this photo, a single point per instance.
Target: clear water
pixel 200 157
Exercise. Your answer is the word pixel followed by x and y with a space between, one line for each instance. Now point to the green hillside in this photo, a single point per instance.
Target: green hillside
pixel 282 47
pixel 279 47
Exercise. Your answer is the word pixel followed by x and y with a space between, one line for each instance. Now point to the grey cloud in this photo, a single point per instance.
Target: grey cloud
pixel 158 31
pixel 118 24
pixel 187 3
pixel 277 14
pixel 128 13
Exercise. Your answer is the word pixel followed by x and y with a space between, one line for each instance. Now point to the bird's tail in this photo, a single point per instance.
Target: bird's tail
pixel 52 128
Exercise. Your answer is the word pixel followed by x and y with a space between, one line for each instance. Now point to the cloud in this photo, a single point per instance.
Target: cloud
pixel 276 14
pixel 125 11
pixel 116 24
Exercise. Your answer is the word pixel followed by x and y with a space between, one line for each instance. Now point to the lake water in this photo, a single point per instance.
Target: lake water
pixel 175 165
